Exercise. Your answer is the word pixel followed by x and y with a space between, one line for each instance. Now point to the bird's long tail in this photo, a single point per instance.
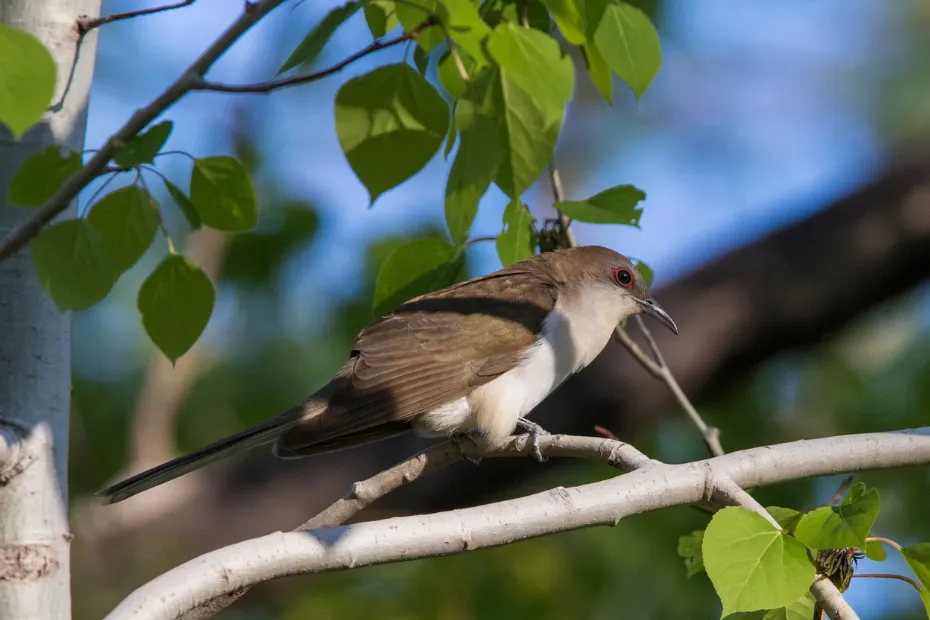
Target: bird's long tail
pixel 262 433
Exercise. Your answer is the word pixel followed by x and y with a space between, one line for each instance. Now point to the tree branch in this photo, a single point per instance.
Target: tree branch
pixel 651 487
pixel 136 123
pixel 267 87
pixel 85 24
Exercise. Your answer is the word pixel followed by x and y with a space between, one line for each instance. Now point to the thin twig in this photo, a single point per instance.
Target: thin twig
pixel 654 369
pixel 85 24
pixel 841 491
pixel 710 434
pixel 887 541
pixel 266 87
pixel 474 240
pixel 916 585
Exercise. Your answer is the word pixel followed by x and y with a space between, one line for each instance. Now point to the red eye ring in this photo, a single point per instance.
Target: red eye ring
pixel 623 277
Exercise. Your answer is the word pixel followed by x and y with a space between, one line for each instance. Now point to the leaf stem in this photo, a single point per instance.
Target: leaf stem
pixel 474 240
pixel 886 541
pixel 199 83
pixel 916 585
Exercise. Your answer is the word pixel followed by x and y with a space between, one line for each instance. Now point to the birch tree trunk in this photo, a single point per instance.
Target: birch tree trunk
pixel 35 351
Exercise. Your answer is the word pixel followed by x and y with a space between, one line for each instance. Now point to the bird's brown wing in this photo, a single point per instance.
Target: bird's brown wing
pixel 432 350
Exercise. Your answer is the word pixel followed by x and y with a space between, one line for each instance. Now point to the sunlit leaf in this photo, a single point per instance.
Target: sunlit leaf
pixel 787 517
pixel 73 263
pixel 127 221
pixel 311 46
pixel 753 565
pixel 143 148
pixel 801 609
pixel 627 40
pixel 517 241
pixel 381 16
pixel 617 205
pixel 535 80
pixel 390 123
pixel 176 302
pixel 569 19
pixel 599 72
pixel 41 175
pixel 412 13
pixel 846 525
pixel 413 269
pixel 476 162
pixel 27 79
pixel 875 551
pixel 466 28
pixel 223 194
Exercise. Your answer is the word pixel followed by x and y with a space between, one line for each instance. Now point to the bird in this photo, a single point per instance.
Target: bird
pixel 470 360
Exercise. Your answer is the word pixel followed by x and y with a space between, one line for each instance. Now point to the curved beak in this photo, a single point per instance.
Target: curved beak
pixel 653 309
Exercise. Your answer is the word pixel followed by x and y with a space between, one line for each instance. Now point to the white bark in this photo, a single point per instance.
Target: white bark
pixel 651 487
pixel 35 351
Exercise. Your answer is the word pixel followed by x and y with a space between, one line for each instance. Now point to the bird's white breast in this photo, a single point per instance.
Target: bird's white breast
pixel 573 334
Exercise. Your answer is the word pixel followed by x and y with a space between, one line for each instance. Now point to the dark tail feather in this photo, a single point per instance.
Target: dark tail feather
pixel 257 435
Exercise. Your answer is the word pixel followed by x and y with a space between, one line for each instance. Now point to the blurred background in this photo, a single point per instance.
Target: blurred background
pixel 784 151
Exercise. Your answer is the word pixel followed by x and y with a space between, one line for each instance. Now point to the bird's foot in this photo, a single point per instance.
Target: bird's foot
pixel 470 436
pixel 534 431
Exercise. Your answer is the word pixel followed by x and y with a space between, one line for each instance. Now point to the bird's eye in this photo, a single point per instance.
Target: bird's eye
pixel 623 277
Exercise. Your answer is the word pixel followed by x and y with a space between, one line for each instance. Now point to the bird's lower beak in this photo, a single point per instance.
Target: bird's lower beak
pixel 653 309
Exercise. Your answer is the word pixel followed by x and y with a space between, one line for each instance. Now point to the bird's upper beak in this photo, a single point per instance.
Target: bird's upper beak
pixel 653 309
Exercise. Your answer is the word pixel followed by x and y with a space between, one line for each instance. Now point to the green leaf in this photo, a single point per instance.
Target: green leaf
pixel 599 72
pixel 311 46
pixel 517 241
pixel 787 517
pixel 73 263
pixel 569 19
pixel 41 175
pixel 846 525
pixel 466 28
pixel 535 80
pixel 223 194
pixel 627 40
pixel 918 558
pixel 390 123
pixel 534 62
pixel 381 16
pixel 801 609
pixel 645 271
pixel 412 13
pixel 143 148
pixel 421 60
pixel 27 76
pixel 184 204
pixel 751 564
pixel 617 205
pixel 413 269
pixel 449 75
pixel 476 164
pixel 689 548
pixel 875 551
pixel 127 221
pixel 176 302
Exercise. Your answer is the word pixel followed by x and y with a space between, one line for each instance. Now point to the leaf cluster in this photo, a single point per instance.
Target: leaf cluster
pixel 764 573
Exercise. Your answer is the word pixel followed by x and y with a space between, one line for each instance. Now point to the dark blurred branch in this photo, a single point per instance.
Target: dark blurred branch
pixel 85 24
pixel 267 87
pixel 652 486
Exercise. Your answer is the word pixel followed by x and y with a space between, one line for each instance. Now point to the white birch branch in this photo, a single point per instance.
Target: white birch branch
pixel 215 574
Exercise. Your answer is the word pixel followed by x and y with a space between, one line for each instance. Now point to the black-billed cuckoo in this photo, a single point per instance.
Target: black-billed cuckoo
pixel 472 359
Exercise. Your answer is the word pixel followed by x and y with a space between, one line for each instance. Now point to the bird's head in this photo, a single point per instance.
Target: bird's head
pixel 616 280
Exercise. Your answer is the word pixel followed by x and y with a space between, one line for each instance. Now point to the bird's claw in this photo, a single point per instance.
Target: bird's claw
pixel 470 436
pixel 533 432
